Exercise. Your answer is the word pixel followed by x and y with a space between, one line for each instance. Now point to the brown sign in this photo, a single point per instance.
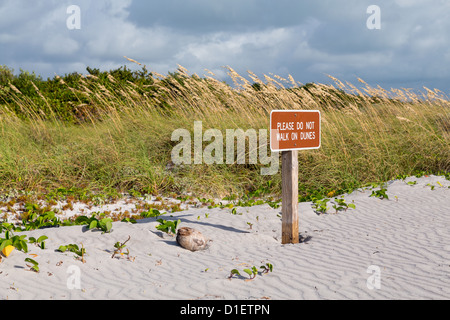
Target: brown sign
pixel 294 130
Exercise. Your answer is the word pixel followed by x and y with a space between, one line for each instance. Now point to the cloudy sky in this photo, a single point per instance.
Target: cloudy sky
pixel 307 39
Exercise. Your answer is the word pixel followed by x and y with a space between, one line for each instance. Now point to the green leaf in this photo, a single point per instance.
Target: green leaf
pixel 73 247
pixel 175 225
pixel 42 238
pixel 24 246
pixel 268 267
pixel 82 220
pixel 248 271
pixel 108 225
pixel 62 248
pixel 31 261
pixel 35 264
pixel 235 271
pixel 93 224
pixel 351 205
pixel 105 224
pixel 131 220
pixel 5 243
pixel 152 213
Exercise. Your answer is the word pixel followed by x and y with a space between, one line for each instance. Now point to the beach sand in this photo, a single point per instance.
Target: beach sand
pixel 396 248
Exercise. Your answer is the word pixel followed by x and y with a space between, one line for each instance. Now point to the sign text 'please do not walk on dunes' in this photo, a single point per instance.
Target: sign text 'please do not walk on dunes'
pixel 294 130
pixel 290 131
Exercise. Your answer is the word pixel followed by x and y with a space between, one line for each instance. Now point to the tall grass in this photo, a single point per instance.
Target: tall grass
pixel 123 138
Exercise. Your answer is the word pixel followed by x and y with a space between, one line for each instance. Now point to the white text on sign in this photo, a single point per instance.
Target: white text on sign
pixel 293 136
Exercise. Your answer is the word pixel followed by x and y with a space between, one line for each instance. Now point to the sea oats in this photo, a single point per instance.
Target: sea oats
pixel 132 60
pixel 14 88
pixel 111 78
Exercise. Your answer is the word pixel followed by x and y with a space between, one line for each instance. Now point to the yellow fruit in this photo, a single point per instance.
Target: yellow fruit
pixel 7 250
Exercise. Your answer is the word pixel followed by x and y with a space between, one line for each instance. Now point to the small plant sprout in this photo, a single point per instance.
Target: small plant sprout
pixel 253 271
pixel 234 272
pixel 75 249
pixel 320 205
pixel 119 249
pixel 40 242
pixel 380 194
pixel 340 204
pixel 34 264
pixel 250 225
pixel 268 267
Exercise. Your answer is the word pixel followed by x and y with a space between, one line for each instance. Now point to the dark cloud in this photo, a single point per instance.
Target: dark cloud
pixel 305 39
pixel 205 16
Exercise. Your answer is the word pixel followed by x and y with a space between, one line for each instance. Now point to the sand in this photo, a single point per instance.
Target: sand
pixel 396 248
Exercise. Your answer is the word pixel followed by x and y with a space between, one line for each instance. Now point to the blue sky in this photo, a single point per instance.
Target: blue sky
pixel 306 39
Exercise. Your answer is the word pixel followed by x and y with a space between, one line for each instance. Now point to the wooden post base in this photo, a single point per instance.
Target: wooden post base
pixel 289 210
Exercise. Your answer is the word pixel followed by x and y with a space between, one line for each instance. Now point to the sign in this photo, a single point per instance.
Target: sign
pixel 290 131
pixel 294 130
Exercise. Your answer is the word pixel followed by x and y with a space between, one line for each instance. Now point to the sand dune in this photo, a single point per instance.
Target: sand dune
pixel 406 238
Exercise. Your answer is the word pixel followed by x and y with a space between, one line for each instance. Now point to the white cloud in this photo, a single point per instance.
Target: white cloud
pixel 59 45
pixel 305 39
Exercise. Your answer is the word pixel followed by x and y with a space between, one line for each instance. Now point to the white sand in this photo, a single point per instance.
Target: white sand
pixel 407 238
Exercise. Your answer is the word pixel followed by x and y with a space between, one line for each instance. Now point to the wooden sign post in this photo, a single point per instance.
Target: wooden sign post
pixel 290 131
pixel 289 200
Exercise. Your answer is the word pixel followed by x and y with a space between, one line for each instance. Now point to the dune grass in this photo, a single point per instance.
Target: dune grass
pixel 122 139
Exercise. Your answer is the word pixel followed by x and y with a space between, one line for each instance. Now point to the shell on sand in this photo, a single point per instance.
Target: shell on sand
pixel 191 239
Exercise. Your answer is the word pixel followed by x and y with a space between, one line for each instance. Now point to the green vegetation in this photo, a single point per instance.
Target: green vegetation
pixel 34 264
pixel 40 242
pixel 18 242
pixel 320 205
pixel 253 271
pixel 340 204
pixel 380 194
pixel 92 137
pixel 119 249
pixel 75 249
pixel 169 227
pixel 104 224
